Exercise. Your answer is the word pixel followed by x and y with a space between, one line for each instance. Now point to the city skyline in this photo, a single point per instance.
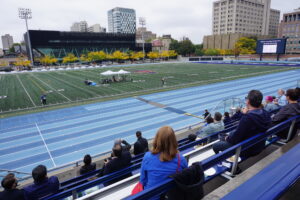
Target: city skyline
pixel 190 18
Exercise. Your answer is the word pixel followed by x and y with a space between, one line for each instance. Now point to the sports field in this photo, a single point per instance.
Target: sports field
pixel 23 90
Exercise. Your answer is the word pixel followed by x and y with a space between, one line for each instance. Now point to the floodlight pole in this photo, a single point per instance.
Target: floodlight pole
pixel 142 22
pixel 26 14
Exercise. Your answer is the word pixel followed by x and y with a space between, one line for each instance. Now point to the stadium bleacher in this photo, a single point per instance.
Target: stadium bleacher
pixel 88 186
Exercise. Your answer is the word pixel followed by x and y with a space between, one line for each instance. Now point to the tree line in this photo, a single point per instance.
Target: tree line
pixel 185 47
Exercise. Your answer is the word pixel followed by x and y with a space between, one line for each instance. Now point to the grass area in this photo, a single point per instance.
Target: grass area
pixel 67 88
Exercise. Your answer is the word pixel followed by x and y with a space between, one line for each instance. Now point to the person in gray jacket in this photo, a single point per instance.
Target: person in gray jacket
pixel 214 127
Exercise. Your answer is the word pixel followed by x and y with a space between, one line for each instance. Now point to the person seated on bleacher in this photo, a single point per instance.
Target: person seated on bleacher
pixel 125 147
pixel 227 119
pixel 281 99
pixel 298 93
pixel 214 127
pixel 141 145
pixel 88 165
pixel 42 186
pixel 206 114
pixel 163 160
pixel 237 115
pixel 290 110
pixel 120 160
pixel 270 106
pixel 9 183
pixel 255 120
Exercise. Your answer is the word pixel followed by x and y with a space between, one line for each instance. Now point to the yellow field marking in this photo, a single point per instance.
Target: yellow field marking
pixel 189 114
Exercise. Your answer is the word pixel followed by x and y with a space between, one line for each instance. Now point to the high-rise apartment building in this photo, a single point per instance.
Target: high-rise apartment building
pixel 290 28
pixel 7 41
pixel 79 26
pixel 121 20
pixel 253 17
pixel 96 28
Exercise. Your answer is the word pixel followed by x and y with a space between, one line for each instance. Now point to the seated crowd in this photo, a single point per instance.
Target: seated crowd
pixel 164 160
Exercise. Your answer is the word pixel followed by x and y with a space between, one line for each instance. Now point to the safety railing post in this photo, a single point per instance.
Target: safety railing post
pixel 290 131
pixel 236 160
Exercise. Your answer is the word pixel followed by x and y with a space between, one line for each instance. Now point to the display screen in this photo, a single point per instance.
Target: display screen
pixel 276 46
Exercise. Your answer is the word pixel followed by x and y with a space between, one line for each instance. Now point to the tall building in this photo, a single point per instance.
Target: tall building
pixel 290 28
pixel 121 20
pixel 79 26
pixel 96 28
pixel 7 41
pixel 253 17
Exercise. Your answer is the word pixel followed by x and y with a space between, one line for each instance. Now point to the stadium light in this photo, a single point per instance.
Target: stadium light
pixel 25 13
pixel 142 22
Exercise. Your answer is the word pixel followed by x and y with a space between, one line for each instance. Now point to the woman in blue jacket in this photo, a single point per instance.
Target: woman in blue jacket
pixel 163 160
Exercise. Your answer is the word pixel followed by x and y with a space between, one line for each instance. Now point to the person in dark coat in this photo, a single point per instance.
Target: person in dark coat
pixel 189 184
pixel 9 183
pixel 297 89
pixel 88 165
pixel 44 99
pixel 206 114
pixel 141 145
pixel 120 160
pixel 227 119
pixel 237 115
pixel 290 110
pixel 42 186
pixel 255 120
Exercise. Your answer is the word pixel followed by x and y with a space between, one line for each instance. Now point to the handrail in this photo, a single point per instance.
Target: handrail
pixel 213 160
pixel 14 171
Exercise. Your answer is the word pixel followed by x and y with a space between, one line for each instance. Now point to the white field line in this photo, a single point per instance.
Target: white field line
pixel 45 144
pixel 25 90
pixel 51 87
pixel 72 85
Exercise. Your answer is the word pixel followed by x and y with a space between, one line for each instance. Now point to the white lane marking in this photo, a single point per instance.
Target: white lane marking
pixel 45 144
pixel 26 90
pixel 51 87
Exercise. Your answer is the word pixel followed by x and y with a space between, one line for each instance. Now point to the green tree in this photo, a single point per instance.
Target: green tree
pixel 211 52
pixel 186 47
pixel 174 45
pixel 199 50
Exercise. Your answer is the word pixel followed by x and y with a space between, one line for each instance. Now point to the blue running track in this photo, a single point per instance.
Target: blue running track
pixel 56 138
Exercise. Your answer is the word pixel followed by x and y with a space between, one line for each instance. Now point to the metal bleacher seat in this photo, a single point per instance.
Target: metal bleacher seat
pixel 77 185
pixel 272 181
pixel 212 161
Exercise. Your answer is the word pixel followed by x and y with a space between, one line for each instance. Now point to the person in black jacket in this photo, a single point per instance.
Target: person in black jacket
pixel 141 145
pixel 226 119
pixel 290 110
pixel 120 160
pixel 255 120
pixel 88 165
pixel 9 183
pixel 189 184
pixel 237 115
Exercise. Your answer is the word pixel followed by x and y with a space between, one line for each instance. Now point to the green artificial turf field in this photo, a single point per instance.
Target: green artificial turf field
pixel 67 88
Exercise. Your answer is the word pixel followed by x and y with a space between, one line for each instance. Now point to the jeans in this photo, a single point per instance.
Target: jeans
pixel 221 146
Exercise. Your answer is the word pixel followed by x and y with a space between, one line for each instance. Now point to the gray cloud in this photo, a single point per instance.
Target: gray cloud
pixel 191 18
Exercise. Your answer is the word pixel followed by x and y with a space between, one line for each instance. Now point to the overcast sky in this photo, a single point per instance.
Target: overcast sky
pixel 190 18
